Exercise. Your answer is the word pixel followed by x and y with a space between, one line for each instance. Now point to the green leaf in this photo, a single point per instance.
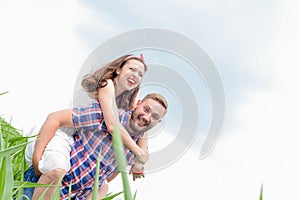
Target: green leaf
pixel 70 190
pixel 96 182
pixel 57 191
pixel 21 139
pixel 8 130
pixel 121 162
pixel 261 192
pixel 112 196
pixel 3 93
pixel 2 142
pixel 25 184
pixel 44 193
pixel 11 150
pixel 134 196
pixel 7 178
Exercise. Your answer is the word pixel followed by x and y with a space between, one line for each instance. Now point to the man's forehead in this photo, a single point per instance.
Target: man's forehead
pixel 150 102
pixel 154 105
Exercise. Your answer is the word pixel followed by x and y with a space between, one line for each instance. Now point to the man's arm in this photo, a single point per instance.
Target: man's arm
pixel 47 132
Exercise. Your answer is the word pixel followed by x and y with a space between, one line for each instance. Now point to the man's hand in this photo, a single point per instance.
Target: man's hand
pixel 137 171
pixel 142 157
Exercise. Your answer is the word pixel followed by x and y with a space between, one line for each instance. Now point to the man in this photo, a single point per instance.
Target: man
pixel 92 139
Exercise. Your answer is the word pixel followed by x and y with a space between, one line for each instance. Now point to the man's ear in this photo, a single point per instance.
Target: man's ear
pixel 136 104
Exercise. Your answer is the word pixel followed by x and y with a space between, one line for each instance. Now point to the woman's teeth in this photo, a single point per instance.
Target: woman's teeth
pixel 132 81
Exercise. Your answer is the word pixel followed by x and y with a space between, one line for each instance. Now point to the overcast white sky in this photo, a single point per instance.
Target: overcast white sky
pixel 254 45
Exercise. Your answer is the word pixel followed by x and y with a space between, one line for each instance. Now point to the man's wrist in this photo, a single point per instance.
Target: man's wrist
pixel 137 169
pixel 138 166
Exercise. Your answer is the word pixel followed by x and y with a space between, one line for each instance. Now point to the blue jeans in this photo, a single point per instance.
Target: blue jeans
pixel 30 176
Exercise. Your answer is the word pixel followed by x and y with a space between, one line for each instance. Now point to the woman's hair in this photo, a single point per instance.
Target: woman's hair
pixel 92 82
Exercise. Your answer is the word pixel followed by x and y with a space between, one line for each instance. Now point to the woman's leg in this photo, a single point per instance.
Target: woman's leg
pixel 52 177
pixel 54 164
pixel 102 191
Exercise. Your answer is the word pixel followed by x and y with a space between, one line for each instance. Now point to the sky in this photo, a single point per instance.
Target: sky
pixel 254 46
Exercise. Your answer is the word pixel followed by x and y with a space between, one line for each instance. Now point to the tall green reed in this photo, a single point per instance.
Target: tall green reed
pixel 121 162
pixel 13 165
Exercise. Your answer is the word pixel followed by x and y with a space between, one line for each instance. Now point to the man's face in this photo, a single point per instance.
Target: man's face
pixel 146 115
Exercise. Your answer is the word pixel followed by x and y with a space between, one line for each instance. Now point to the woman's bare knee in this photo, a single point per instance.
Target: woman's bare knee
pixel 55 174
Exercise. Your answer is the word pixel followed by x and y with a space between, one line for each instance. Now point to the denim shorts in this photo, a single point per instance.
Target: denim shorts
pixel 30 176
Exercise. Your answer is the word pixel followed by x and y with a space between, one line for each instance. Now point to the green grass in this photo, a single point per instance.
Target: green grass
pixel 261 192
pixel 121 162
pixel 13 165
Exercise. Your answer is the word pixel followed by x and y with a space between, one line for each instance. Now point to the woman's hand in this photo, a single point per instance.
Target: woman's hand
pixel 35 163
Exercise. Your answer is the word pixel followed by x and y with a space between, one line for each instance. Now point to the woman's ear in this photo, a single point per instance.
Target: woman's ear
pixel 118 70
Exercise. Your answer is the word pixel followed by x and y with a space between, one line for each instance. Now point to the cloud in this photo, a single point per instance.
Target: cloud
pixel 253 44
pixel 41 55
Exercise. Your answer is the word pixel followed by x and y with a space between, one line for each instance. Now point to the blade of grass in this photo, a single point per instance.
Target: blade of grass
pixel 43 194
pixel 17 139
pixel 25 184
pixel 17 193
pixel 70 190
pixel 8 130
pixel 7 178
pixel 23 167
pixel 121 162
pixel 3 93
pixel 2 143
pixel 112 196
pixel 57 191
pixel 261 192
pixel 11 150
pixel 96 182
pixel 134 196
pixel 6 172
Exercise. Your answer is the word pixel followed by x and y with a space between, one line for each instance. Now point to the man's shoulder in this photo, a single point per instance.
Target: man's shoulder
pixel 123 112
pixel 123 116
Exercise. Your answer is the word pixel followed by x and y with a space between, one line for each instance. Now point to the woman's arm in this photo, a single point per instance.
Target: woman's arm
pixel 107 99
pixel 143 142
pixel 47 132
pixel 137 170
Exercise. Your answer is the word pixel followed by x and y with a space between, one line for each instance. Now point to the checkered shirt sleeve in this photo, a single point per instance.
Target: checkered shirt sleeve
pixel 91 140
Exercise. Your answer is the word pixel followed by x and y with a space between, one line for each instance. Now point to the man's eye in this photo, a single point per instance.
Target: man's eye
pixel 155 117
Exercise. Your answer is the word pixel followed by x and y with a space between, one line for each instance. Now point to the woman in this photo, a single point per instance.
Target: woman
pixel 115 86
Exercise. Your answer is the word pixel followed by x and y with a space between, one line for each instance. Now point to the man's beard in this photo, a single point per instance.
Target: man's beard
pixel 138 118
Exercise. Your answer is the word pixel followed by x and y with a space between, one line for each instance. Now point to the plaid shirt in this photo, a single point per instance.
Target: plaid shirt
pixel 91 139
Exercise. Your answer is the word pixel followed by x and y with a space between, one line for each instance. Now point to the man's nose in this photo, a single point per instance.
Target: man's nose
pixel 147 117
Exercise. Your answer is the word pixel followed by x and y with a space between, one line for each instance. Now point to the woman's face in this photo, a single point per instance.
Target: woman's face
pixel 131 74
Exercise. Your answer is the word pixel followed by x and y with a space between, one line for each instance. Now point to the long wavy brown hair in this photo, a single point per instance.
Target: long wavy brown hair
pixel 92 82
